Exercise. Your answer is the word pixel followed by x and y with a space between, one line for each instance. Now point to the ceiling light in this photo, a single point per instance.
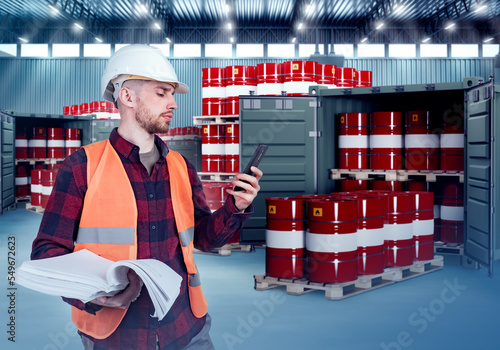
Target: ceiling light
pixel 143 8
pixel 227 8
pixel 23 40
pixel 231 39
pixel 309 8
pixel 480 8
pixel 364 39
pixel 300 25
pixel 54 9
pixel 398 8
pixel 488 40
pixel 168 39
pixel 380 25
pixel 229 26
pixel 157 25
pixel 426 40
pixel 449 26
pixel 98 39
pixel 78 26
pixel 294 39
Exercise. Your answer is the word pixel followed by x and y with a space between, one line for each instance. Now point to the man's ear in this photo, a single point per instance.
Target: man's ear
pixel 127 96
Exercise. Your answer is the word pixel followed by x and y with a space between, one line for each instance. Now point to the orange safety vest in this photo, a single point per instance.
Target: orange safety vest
pixel 108 227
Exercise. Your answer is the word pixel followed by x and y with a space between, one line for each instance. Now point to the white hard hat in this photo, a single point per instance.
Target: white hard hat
pixel 141 62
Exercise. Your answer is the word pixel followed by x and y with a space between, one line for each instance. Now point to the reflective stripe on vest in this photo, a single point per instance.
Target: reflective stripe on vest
pixel 108 227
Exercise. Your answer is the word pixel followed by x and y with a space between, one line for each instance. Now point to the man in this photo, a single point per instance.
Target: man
pixel 130 197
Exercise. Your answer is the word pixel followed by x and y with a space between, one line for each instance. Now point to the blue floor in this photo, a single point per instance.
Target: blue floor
pixel 453 308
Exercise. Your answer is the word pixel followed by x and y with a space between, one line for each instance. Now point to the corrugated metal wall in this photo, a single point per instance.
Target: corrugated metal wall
pixel 46 85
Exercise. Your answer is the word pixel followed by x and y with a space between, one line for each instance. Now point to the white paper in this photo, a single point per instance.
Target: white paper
pixel 85 276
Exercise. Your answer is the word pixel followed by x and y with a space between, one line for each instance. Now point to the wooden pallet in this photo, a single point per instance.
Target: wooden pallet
pixel 216 177
pixel 34 161
pixel 35 208
pixel 338 291
pixel 393 175
pixel 226 249
pixel 216 119
pixel 448 248
pixel 418 268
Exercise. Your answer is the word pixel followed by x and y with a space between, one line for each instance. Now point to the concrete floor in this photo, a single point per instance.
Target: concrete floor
pixel 453 308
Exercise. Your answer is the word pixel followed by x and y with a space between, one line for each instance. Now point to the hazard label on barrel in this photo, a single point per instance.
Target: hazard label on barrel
pixel 318 212
pixel 272 209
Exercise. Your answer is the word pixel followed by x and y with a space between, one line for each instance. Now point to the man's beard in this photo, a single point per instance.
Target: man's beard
pixel 153 124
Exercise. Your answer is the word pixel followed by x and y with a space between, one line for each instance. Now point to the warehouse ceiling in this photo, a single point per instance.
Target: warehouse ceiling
pixel 169 15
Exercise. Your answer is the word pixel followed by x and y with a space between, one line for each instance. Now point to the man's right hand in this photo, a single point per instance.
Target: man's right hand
pixel 124 298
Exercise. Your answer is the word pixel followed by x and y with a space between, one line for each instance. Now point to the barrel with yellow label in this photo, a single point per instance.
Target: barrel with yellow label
pixel 331 240
pixel 285 227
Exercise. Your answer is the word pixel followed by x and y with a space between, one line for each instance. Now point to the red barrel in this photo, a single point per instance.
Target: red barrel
pixel 214 106
pixel 386 141
pixel 269 79
pixel 416 186
pixel 55 143
pixel 75 110
pixel 240 80
pixel 347 185
pixel 331 240
pixel 387 185
pixel 85 108
pixel 298 76
pixel 326 74
pixel 232 148
pixel 21 181
pixel 21 144
pixel 364 78
pixel 38 143
pixel 423 225
pixel 437 189
pixel 422 145
pixel 285 227
pixel 73 140
pixel 346 77
pixel 451 142
pixel 212 148
pixel 99 108
pixel 398 228
pixel 452 214
pixel 36 187
pixel 213 91
pixel 353 140
pixel 370 234
pixel 47 181
pixel 66 110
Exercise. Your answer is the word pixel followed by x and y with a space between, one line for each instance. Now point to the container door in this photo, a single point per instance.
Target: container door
pixel 7 180
pixel 479 174
pixel 289 126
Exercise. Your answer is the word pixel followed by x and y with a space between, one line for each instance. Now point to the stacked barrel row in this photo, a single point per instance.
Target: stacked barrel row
pixel 220 148
pixel 42 182
pixel 448 202
pixel 221 87
pixel 386 141
pixel 47 142
pixel 29 181
pixel 337 237
pixel 185 133
pixel 101 109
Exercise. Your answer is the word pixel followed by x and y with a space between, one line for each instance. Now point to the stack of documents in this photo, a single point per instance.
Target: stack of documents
pixel 85 276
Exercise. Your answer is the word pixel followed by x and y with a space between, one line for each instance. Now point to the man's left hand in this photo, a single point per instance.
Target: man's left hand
pixel 243 199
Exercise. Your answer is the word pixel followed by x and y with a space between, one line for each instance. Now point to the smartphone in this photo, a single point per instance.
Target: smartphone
pixel 254 161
